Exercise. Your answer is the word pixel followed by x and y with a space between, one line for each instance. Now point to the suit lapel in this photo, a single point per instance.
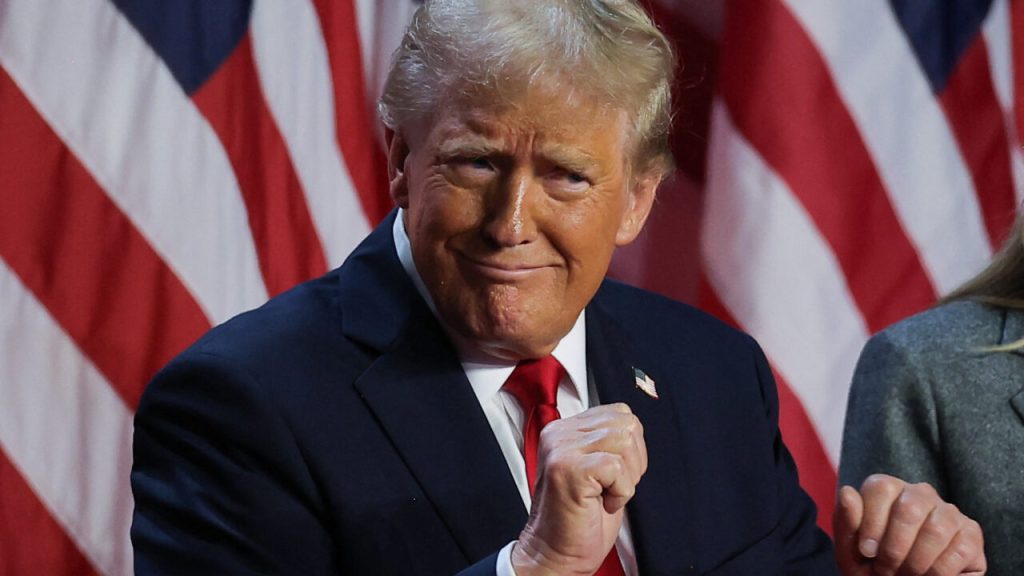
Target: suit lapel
pixel 1013 331
pixel 419 394
pixel 659 511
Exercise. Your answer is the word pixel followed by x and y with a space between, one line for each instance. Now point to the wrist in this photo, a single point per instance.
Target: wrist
pixel 525 563
pixel 531 558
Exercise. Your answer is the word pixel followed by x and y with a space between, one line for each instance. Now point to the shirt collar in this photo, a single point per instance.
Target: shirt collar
pixel 486 374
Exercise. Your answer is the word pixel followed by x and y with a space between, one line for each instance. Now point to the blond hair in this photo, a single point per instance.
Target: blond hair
pixel 608 50
pixel 1001 283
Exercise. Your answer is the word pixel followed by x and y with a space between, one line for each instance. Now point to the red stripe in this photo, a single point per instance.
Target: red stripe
pixel 83 259
pixel 355 117
pixel 782 98
pixel 976 116
pixel 286 240
pixel 693 88
pixel 31 541
pixel 817 476
pixel 1017 37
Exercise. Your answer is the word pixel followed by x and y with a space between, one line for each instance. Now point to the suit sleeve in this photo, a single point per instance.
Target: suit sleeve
pixel 891 420
pixel 807 550
pixel 219 484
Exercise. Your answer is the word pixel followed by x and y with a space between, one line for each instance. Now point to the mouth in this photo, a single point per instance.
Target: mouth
pixel 502 271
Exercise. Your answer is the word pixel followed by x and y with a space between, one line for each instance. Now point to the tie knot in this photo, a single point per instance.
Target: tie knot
pixel 535 382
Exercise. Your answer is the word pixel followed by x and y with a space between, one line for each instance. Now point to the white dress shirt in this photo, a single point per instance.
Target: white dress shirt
pixel 487 375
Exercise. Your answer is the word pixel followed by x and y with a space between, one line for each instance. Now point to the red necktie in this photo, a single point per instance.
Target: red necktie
pixel 534 383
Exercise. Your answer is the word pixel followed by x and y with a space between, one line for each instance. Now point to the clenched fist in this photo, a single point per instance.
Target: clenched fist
pixel 892 527
pixel 588 469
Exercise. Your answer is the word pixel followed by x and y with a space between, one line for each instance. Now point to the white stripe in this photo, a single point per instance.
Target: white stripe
pixel 368 18
pixel 996 30
pixel 65 429
pixel 108 96
pixel 1017 159
pixel 906 132
pixel 998 39
pixel 779 279
pixel 295 74
pixel 381 25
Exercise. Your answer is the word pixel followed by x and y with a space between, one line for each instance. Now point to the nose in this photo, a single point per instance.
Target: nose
pixel 511 210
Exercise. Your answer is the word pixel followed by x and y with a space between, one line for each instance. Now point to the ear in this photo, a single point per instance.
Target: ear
pixel 398 152
pixel 638 206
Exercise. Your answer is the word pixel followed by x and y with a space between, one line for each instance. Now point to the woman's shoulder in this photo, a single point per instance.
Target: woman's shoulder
pixel 949 329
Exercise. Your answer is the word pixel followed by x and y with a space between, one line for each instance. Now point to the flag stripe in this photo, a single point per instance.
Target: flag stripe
pixel 142 140
pixel 885 276
pixel 974 113
pixel 893 122
pixel 31 541
pixel 354 115
pixel 296 78
pixel 83 259
pixel 286 241
pixel 767 261
pixel 63 426
pixel 997 34
pixel 1017 38
pixel 381 27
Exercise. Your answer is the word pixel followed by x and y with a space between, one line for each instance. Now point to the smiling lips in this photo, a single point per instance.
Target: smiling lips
pixel 503 272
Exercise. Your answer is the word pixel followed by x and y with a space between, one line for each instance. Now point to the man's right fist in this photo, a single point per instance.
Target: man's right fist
pixel 588 469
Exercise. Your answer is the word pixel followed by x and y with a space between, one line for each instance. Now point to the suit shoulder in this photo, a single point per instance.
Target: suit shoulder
pixel 300 319
pixel 292 351
pixel 940 334
pixel 644 312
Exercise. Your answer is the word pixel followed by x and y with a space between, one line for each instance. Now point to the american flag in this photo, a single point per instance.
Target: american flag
pixel 165 164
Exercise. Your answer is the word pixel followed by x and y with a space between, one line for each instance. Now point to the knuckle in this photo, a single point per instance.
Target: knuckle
pixel 550 435
pixel 621 407
pixel 910 509
pixel 973 531
pixel 964 549
pixel 635 426
pixel 951 562
pixel 617 464
pixel 924 489
pixel 936 528
pixel 882 484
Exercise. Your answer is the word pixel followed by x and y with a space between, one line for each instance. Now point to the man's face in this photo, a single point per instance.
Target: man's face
pixel 513 215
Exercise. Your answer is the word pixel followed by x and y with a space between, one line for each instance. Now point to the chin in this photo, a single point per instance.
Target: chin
pixel 507 341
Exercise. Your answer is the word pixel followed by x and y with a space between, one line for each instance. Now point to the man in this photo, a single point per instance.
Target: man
pixel 401 414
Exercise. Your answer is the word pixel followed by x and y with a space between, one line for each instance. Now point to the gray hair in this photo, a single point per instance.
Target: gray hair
pixel 608 50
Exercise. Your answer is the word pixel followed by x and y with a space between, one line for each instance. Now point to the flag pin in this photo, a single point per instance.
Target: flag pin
pixel 645 383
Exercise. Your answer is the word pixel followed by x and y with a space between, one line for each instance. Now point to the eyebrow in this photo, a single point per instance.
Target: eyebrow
pixel 574 159
pixel 467 145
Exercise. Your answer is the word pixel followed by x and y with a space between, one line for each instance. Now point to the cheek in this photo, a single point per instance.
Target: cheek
pixel 444 207
pixel 587 234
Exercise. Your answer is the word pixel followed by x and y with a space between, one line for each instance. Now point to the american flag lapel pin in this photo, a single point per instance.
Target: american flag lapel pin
pixel 645 383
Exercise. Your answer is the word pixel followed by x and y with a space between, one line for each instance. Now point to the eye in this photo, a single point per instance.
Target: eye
pixel 470 170
pixel 576 178
pixel 474 163
pixel 571 179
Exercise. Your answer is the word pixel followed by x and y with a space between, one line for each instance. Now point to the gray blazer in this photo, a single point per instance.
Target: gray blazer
pixel 928 405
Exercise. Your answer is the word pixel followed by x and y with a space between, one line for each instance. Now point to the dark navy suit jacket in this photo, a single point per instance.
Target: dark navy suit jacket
pixel 333 431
